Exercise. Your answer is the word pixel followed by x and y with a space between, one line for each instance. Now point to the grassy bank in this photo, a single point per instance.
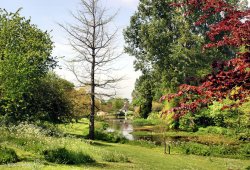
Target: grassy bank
pixel 31 142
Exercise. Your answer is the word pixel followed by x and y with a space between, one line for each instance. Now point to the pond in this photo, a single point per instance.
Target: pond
pixel 121 125
pixel 148 133
pixel 130 132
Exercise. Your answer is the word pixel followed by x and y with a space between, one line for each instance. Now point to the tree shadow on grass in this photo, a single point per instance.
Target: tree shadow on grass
pixel 86 165
pixel 85 137
pixel 96 143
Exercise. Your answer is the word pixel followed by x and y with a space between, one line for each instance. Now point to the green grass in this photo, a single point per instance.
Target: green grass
pixel 64 156
pixel 30 147
pixel 145 122
pixel 7 155
pixel 79 129
pixel 141 158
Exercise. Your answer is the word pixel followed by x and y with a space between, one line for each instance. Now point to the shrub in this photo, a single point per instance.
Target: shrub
pixel 245 150
pixel 196 149
pixel 143 143
pixel 224 150
pixel 35 130
pixel 64 156
pixel 187 123
pixel 156 107
pixel 154 115
pixel 145 122
pixel 233 151
pixel 7 155
pixel 216 130
pixel 114 157
pixel 114 137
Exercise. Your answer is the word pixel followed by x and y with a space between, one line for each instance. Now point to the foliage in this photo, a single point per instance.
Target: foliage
pixel 154 115
pixel 187 123
pixel 197 149
pixel 29 136
pixel 7 155
pixel 41 129
pixel 237 119
pixel 63 156
pixel 113 137
pixel 167 48
pixel 216 130
pixel 145 122
pixel 157 107
pixel 115 157
pixel 114 105
pixel 25 57
pixel 142 155
pixel 52 99
pixel 241 151
pixel 143 94
pixel 80 103
pixel 229 79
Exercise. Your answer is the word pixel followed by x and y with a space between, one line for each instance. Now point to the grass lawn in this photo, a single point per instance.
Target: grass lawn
pixel 140 157
pixel 29 148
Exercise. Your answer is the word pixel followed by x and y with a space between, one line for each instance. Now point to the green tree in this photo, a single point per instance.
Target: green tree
pixel 25 57
pixel 52 99
pixel 143 94
pixel 168 45
pixel 81 103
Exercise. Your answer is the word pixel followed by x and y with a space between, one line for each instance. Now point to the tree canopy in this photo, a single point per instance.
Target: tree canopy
pixel 168 46
pixel 25 57
pixel 230 78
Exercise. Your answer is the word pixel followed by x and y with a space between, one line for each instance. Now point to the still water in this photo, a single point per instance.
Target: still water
pixel 123 126
pixel 155 135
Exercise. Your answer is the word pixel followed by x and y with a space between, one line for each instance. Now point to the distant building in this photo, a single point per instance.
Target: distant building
pixel 101 114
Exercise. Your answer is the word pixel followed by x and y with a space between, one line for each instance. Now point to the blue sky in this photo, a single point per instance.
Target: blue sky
pixel 47 13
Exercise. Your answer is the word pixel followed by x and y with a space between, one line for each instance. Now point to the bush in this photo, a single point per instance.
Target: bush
pixel 187 123
pixel 233 151
pixel 157 107
pixel 216 130
pixel 154 115
pixel 196 149
pixel 114 157
pixel 37 130
pixel 145 122
pixel 114 137
pixel 63 156
pixel 7 155
pixel 245 150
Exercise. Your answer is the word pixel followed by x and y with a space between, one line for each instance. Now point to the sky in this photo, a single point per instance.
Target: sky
pixel 46 14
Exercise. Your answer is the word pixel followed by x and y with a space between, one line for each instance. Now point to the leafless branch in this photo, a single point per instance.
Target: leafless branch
pixel 93 43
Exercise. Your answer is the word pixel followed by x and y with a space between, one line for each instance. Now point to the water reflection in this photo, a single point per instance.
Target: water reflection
pixel 123 126
pixel 155 135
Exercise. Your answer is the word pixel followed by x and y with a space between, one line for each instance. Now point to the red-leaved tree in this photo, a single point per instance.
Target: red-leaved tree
pixel 229 79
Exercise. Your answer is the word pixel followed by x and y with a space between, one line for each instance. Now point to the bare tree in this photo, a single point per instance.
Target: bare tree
pixel 92 41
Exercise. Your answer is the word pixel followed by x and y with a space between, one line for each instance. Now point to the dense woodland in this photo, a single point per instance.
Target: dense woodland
pixel 191 98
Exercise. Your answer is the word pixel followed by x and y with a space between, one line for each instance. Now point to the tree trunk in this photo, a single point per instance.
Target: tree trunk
pixel 94 44
pixel 92 112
